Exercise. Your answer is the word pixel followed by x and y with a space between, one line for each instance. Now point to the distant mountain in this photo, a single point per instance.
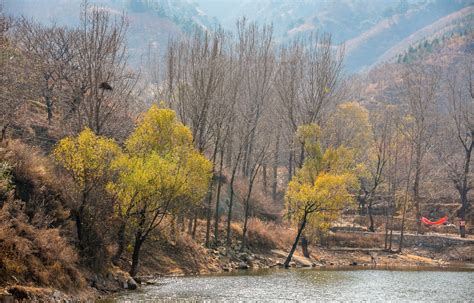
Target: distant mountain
pixel 380 83
pixel 343 18
pixel 369 28
pixel 431 36
pixel 367 48
pixel 373 31
pixel 151 22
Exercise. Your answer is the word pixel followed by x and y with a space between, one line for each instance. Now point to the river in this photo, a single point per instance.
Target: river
pixel 313 285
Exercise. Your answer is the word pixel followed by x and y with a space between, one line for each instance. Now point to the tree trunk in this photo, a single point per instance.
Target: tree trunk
pixel 195 225
pixel 247 211
pixel 275 168
pixel 371 217
pixel 231 199
pixel 190 224
pixel 49 108
pixel 464 189
pixel 462 228
pixel 120 243
pixel 405 202
pixel 80 237
pixel 136 254
pixel 416 191
pixel 265 183
pixel 301 156
pixel 229 214
pixel 462 214
pixel 209 215
pixel 209 198
pixel 402 229
pixel 79 214
pixel 218 197
pixel 295 244
pixel 290 166
pixel 385 246
pixel 391 234
pixel 304 246
pixel 3 134
pixel 181 222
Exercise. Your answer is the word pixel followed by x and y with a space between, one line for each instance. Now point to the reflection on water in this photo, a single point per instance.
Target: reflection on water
pixel 313 285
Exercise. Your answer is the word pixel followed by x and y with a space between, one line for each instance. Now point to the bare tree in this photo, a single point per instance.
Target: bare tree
pixel 15 78
pixel 255 165
pixel 308 84
pixel 101 83
pixel 382 131
pixel 420 91
pixel 195 75
pixel 256 54
pixel 50 50
pixel 460 87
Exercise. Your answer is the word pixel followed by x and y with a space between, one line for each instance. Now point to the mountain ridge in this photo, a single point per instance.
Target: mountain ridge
pixel 371 31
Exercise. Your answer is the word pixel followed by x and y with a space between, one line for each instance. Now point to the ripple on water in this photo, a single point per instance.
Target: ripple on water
pixel 313 285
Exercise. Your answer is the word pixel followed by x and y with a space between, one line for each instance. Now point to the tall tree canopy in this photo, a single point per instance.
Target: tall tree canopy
pixel 159 174
pixel 321 188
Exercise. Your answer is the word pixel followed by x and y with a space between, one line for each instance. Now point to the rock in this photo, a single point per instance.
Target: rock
pixel 302 261
pixel 56 295
pixel 6 298
pixel 246 257
pixel 353 263
pixel 132 284
pixel 19 294
pixel 277 263
pixel 243 265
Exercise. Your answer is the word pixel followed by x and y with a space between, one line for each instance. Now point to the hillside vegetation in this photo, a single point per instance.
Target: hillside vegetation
pixel 372 31
pixel 226 151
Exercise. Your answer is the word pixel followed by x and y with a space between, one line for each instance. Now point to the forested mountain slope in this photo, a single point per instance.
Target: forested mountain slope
pixel 373 31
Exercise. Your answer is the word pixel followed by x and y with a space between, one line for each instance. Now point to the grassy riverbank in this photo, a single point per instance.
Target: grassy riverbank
pixel 40 259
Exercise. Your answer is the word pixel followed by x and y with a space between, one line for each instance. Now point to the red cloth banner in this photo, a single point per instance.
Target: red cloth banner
pixel 440 221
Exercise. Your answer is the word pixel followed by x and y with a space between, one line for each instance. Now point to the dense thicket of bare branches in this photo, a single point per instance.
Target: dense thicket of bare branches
pixel 244 97
pixel 80 75
pixel 240 94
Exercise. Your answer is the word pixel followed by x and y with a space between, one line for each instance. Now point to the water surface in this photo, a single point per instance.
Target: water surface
pixel 313 285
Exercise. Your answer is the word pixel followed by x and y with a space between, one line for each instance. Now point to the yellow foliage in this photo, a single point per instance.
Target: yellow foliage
pixel 160 169
pixel 350 127
pixel 158 131
pixel 86 157
pixel 321 188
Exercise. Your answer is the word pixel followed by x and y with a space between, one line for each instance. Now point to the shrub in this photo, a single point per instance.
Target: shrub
pixel 30 254
pixel 356 240
pixel 34 183
pixel 268 235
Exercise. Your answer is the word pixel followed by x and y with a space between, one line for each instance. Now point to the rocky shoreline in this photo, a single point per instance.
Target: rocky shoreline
pixel 422 256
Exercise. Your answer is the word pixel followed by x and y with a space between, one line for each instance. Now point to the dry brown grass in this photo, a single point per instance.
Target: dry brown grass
pixel 268 235
pixel 32 248
pixel 35 183
pixel 30 254
pixel 356 240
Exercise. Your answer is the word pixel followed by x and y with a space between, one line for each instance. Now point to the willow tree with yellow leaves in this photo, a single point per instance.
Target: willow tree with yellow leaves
pixel 321 187
pixel 159 174
pixel 87 158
